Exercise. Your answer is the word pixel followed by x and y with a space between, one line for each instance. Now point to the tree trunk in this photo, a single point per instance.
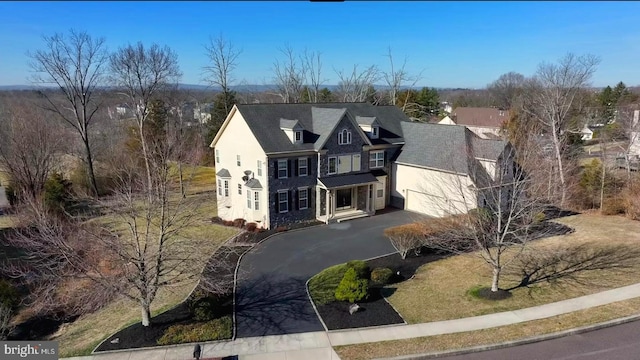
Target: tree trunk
pixel 496 279
pixel 180 177
pixel 89 159
pixel 146 313
pixel 556 143
pixel 145 155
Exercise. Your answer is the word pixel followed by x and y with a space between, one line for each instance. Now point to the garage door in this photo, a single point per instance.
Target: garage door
pixel 425 203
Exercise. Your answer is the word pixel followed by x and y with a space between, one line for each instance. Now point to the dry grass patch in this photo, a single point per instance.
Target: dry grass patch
pixel 428 297
pixel 8 221
pixel 84 334
pixel 489 336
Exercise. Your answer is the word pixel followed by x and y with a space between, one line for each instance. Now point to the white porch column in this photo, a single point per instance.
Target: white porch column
pixel 318 202
pixel 368 198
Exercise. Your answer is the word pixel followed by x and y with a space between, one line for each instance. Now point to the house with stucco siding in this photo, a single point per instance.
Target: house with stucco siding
pixel 278 164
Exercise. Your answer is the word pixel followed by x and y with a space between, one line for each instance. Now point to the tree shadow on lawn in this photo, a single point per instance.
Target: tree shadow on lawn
pixel 273 304
pixel 575 263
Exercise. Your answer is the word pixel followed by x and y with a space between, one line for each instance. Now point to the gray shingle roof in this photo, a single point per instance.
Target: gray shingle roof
pixel 289 124
pixel 366 120
pixel 253 184
pixel 446 147
pixel 346 180
pixel 317 120
pixel 223 173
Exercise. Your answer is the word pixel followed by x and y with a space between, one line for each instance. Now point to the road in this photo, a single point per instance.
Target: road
pixel 271 295
pixel 620 342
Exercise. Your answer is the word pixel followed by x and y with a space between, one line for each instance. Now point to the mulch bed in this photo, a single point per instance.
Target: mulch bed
pixel 375 311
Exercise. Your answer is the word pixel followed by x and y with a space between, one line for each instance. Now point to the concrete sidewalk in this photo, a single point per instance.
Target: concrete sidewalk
pixel 318 345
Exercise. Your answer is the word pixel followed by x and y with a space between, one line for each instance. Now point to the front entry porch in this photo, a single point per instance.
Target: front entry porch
pixel 345 197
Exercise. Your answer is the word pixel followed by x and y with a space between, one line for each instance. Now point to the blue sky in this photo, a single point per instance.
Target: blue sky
pixel 453 44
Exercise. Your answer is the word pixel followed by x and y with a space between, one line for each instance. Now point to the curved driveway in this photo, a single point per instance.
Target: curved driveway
pixel 271 296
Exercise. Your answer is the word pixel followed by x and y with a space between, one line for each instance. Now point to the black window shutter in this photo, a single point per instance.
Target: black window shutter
pixel 275 167
pixel 308 166
pixel 290 200
pixel 289 173
pixel 295 167
pixel 277 196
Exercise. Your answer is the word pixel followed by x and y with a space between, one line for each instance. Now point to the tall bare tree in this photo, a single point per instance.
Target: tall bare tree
pixel 396 78
pixel 356 85
pixel 493 217
pixel 312 62
pixel 223 59
pixel 75 65
pixel 142 75
pixel 506 89
pixel 289 76
pixel 31 146
pixel 550 98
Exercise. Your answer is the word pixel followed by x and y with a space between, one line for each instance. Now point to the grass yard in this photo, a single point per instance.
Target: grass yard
pixel 489 336
pixel 7 221
pixel 83 335
pixel 429 295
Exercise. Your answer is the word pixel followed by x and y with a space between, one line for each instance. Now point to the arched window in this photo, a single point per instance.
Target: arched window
pixel 344 137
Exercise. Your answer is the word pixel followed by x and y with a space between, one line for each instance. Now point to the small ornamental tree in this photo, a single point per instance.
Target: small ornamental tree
pixel 352 288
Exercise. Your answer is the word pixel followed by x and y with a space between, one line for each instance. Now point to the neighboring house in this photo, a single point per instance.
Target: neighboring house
pixel 202 112
pixel 634 137
pixel 484 122
pixel 284 163
pixel 587 134
pixel 446 107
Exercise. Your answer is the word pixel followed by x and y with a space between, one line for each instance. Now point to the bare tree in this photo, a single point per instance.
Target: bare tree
pixel 142 75
pixel 404 238
pixel 488 213
pixel 31 146
pixel 75 65
pixel 313 64
pixel 289 76
pixel 506 89
pixel 396 78
pixel 355 86
pixel 551 97
pixel 6 313
pixel 223 57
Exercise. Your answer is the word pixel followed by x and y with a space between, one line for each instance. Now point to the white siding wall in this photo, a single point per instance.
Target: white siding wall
pixel 438 192
pixel 490 167
pixel 237 139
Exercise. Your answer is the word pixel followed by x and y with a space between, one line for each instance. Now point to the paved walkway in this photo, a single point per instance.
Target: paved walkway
pixel 318 345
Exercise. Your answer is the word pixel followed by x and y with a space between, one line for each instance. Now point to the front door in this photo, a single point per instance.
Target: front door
pixel 343 199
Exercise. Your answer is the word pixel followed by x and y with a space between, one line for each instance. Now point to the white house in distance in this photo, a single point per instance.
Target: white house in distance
pixel 484 122
pixel 587 134
pixel 279 164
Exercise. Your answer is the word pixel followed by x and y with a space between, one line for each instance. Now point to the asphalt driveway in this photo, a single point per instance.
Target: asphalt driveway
pixel 271 295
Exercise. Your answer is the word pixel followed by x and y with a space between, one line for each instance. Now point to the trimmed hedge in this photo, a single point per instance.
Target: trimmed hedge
pixel 352 288
pixel 381 276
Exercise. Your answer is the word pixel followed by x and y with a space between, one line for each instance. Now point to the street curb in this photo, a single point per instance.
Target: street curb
pixel 529 340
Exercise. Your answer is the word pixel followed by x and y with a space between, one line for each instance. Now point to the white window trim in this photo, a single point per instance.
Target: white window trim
pixel 375 130
pixel 259 166
pixel 306 198
pixel 306 166
pixel 341 137
pixel 238 162
pixel 217 156
pixel 286 169
pixel 226 188
pixel 239 189
pixel 376 160
pixel 295 136
pixel 329 165
pixel 286 202
pixel 249 199
pixel 219 182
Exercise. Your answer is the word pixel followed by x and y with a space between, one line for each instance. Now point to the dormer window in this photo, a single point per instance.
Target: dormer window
pixel 374 132
pixel 344 137
pixel 298 137
pixel 293 129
